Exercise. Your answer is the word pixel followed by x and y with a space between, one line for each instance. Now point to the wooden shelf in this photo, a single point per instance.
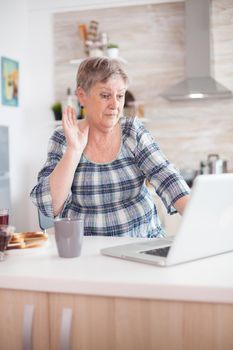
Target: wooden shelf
pixel 77 61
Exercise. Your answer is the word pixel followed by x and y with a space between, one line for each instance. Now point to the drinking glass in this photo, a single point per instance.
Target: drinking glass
pixel 5 234
pixel 4 216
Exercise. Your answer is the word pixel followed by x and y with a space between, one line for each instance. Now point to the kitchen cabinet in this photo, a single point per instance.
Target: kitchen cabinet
pixel 50 5
pixel 103 323
pixel 5 201
pixel 93 324
pixel 24 320
pixel 115 304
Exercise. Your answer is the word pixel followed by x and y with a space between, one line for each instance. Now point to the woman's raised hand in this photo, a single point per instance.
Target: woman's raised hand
pixel 76 133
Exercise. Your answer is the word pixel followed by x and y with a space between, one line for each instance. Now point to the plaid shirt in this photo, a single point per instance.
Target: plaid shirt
pixel 112 197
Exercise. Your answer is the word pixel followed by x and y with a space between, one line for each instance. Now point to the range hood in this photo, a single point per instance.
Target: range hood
pixel 198 82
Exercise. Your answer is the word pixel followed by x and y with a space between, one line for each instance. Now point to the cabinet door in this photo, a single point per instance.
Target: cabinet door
pixel 103 323
pixel 16 306
pixel 155 324
pixel 93 325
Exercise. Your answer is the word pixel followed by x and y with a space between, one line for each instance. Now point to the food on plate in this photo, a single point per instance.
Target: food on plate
pixel 17 245
pixel 16 238
pixel 23 240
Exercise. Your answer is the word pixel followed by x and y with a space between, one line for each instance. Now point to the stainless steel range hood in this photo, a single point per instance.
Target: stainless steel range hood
pixel 198 82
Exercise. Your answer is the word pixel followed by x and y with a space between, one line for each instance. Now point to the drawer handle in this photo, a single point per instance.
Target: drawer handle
pixel 27 326
pixel 66 322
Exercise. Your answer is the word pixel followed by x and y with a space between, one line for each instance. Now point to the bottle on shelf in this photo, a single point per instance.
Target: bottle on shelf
pixel 71 100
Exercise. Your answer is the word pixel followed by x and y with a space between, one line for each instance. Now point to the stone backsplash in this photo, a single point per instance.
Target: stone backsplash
pixel 151 39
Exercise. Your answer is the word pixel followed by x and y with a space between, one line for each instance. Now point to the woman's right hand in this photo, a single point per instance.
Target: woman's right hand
pixel 76 133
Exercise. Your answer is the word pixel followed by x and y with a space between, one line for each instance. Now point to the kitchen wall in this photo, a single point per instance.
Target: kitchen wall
pixel 185 131
pixel 26 36
pixel 13 44
pixel 151 39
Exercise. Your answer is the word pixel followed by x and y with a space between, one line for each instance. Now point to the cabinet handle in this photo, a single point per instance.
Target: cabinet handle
pixel 27 326
pixel 66 322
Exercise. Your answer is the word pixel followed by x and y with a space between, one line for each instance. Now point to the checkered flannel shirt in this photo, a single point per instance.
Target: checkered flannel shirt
pixel 113 198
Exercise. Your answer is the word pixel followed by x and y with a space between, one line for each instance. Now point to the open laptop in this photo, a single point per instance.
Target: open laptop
pixel 206 228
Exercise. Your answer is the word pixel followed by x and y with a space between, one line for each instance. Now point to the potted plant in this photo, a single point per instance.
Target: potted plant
pixel 57 110
pixel 112 50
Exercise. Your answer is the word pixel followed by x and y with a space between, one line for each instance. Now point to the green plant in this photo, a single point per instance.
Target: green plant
pixel 57 110
pixel 112 46
pixel 57 107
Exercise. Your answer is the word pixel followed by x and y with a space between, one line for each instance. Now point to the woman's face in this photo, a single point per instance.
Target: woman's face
pixel 104 103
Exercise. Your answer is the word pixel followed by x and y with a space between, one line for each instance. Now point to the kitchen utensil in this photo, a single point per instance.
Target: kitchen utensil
pixel 216 164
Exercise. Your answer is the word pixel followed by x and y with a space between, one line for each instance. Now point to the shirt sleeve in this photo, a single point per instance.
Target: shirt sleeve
pixel 41 194
pixel 162 174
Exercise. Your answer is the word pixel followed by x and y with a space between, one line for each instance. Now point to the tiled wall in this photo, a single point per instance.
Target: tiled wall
pixel 151 39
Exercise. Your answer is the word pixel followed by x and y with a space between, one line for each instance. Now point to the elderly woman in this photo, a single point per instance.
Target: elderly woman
pixel 96 168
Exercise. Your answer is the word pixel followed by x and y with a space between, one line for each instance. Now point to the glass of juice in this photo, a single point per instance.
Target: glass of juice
pixel 5 234
pixel 4 216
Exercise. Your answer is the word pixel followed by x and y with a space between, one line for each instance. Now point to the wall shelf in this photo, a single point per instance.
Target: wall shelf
pixel 77 61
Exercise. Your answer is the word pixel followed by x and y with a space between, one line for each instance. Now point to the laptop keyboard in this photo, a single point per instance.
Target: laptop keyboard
pixel 158 252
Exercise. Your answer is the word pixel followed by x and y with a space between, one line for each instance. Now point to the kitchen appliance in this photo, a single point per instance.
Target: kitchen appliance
pixel 213 165
pixel 198 82
pixel 4 168
pixel 189 175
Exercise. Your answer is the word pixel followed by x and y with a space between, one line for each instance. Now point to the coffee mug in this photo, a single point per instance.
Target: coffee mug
pixel 69 237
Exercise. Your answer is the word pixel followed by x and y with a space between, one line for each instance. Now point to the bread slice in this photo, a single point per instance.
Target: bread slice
pixel 24 240
pixel 34 236
pixel 16 238
pixel 19 245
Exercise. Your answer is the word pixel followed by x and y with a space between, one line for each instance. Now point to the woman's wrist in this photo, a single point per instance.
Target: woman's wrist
pixel 73 153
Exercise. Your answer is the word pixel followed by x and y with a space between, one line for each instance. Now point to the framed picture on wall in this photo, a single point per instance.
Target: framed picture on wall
pixel 10 82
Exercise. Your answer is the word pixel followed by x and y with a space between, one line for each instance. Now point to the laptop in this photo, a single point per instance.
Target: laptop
pixel 206 228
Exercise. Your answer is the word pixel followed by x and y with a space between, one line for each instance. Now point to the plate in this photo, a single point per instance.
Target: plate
pixel 27 251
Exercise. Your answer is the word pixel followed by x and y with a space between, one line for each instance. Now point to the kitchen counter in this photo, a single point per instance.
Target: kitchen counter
pixel 206 280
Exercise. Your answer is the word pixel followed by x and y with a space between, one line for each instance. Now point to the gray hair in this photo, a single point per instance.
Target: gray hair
pixel 94 70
